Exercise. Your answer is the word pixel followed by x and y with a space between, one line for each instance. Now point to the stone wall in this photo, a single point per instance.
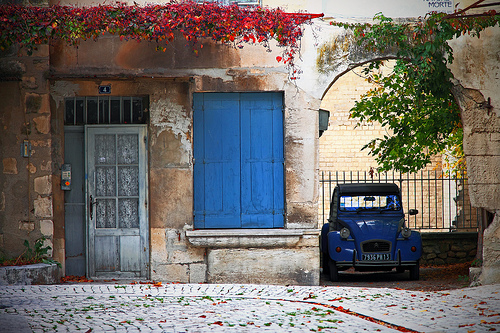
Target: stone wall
pixel 31 200
pixel 27 180
pixel 477 89
pixel 448 248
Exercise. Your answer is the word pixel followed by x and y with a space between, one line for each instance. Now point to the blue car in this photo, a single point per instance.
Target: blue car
pixel 367 230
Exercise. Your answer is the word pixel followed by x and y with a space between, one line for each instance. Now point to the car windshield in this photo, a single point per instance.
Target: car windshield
pixel 372 202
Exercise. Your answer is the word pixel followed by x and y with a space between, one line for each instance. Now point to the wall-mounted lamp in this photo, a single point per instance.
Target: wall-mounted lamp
pixel 324 115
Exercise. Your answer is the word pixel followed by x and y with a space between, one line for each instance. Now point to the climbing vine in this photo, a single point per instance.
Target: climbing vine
pixel 415 100
pixel 30 26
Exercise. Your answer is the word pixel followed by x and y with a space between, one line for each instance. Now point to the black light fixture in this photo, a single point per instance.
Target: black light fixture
pixel 324 115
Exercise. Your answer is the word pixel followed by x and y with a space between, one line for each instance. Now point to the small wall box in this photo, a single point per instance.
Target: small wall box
pixel 66 177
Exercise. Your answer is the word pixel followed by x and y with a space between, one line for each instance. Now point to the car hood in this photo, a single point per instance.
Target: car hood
pixel 372 227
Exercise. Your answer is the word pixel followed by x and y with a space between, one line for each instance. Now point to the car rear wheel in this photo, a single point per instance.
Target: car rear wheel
pixel 415 272
pixel 334 272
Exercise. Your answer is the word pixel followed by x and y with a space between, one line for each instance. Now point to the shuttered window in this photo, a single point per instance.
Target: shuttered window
pixel 238 169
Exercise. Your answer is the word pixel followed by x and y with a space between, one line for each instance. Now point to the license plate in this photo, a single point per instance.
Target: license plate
pixel 377 256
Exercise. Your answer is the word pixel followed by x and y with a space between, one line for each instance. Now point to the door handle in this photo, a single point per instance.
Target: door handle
pixel 91 206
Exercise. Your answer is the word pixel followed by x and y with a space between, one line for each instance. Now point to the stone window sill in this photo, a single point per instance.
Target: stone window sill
pixel 246 238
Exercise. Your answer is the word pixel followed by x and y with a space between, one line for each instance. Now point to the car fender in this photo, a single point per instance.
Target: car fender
pixel 404 246
pixel 347 247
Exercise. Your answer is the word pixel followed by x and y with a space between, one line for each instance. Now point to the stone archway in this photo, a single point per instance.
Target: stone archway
pixel 478 92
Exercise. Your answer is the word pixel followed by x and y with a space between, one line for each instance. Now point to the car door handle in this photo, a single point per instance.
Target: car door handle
pixel 91 206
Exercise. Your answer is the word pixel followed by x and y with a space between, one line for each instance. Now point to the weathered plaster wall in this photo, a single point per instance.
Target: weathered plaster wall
pixel 477 69
pixel 170 79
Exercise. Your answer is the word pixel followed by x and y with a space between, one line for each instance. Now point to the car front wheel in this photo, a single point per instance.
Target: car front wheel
pixel 415 272
pixel 334 272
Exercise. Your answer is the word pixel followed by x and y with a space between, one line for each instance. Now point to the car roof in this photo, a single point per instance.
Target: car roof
pixel 367 188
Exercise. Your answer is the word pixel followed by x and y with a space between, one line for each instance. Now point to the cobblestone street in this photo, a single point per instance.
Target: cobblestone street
pixel 97 307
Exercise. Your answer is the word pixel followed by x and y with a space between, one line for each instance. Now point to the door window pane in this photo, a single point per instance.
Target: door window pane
pixel 128 149
pixel 105 149
pixel 105 213
pixel 128 181
pixel 105 179
pixel 128 213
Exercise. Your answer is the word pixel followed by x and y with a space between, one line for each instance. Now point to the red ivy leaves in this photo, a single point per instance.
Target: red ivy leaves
pixel 30 26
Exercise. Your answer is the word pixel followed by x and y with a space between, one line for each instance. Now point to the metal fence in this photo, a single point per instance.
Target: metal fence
pixel 443 202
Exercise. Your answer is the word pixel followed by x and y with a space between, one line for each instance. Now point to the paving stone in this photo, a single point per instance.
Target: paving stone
pixel 245 308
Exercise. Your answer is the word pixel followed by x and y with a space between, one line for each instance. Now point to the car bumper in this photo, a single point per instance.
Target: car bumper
pixel 376 264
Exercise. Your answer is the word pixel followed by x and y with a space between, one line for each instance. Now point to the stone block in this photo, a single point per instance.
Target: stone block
pixel 247 238
pixel 158 246
pixel 457 247
pixel 43 207
pixel 43 185
pixel 461 254
pixel 30 274
pixel 48 243
pixel 482 143
pixel 484 169
pixel 10 166
pixel 42 124
pixel 474 274
pixel 171 273
pixel 33 103
pixel 29 82
pixel 47 228
pixel 439 261
pixel 484 195
pixel 26 225
pixel 197 273
pixel 296 266
pixel 186 256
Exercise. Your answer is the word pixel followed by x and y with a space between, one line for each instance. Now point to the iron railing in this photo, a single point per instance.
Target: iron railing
pixel 443 202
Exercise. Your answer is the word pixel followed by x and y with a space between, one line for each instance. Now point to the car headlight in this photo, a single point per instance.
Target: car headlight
pixel 406 232
pixel 344 233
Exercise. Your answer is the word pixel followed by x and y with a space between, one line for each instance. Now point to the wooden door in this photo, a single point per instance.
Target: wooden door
pixel 116 201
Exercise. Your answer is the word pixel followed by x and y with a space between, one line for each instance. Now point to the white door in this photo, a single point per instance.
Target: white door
pixel 116 201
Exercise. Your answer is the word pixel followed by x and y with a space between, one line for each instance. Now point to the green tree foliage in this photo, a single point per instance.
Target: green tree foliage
pixel 415 101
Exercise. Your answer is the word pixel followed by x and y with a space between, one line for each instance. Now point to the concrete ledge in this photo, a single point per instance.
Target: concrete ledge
pixel 30 274
pixel 245 238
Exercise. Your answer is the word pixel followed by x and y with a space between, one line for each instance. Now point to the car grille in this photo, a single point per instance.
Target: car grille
pixel 376 246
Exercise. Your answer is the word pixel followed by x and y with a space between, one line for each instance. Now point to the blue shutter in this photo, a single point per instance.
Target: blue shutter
pixel 238 151
pixel 262 160
pixel 217 165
